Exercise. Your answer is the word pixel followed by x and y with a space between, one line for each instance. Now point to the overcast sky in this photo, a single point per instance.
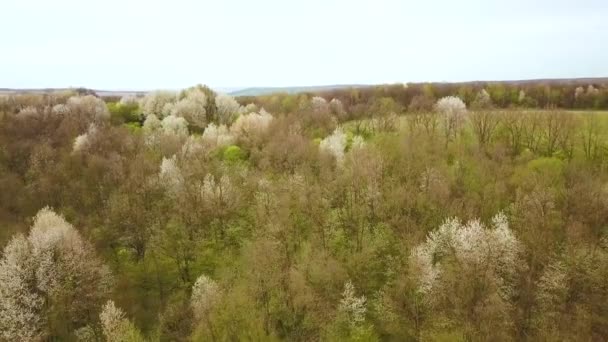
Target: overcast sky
pixel 170 44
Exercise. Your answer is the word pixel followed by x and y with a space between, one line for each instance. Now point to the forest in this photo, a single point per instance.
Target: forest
pixel 404 212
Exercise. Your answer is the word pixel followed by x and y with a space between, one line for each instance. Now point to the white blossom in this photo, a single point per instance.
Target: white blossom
pixel 111 319
pixel 453 110
pixel 152 124
pixel 116 327
pixel 474 246
pixel 83 141
pixel 250 108
pixel 253 123
pixel 451 107
pixel 52 260
pixel 170 175
pixel 192 108
pixel 227 108
pixel 335 144
pixel 21 305
pixel 151 129
pixel 60 109
pixel 217 136
pixel 553 286
pixel 217 190
pixel 352 306
pixel 155 102
pixel 319 104
pixel 205 294
pixel 90 106
pixel 174 125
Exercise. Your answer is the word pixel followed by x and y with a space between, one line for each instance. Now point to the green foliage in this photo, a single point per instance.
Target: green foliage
pixel 134 127
pixel 233 154
pixel 124 113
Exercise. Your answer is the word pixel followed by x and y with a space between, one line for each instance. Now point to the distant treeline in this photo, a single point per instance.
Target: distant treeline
pixel 542 94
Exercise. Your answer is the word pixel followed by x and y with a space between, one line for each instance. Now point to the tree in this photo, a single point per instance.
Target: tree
pixel 337 108
pixel 484 124
pixel 83 141
pixel 453 110
pixel 205 295
pixel 51 273
pixel 319 104
pixel 156 102
pixel 227 109
pixel 467 273
pixel 192 108
pixel 335 144
pixel 116 327
pixel 350 323
pixel 252 124
pixel 21 306
pixel 89 106
pixel 482 100
pixel 170 176
pixel 174 125
pixel 217 136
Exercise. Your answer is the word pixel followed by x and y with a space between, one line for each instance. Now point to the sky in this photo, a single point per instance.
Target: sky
pixel 172 44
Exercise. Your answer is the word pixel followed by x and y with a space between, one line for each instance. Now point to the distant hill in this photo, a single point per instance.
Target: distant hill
pixel 258 91
pixel 102 93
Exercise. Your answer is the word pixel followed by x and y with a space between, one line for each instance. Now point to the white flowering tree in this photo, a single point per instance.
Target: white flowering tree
pixel 205 295
pixel 250 108
pixel 319 104
pixel 251 124
pixel 217 136
pixel 84 141
pixel 89 105
pixel 152 129
pixel 116 327
pixel 335 144
pixel 469 267
pixel 227 109
pixel 170 176
pixel 351 306
pixel 156 103
pixel 81 111
pixel 482 100
pixel 51 270
pixel 174 125
pixel 192 107
pixel 350 323
pixel 454 111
